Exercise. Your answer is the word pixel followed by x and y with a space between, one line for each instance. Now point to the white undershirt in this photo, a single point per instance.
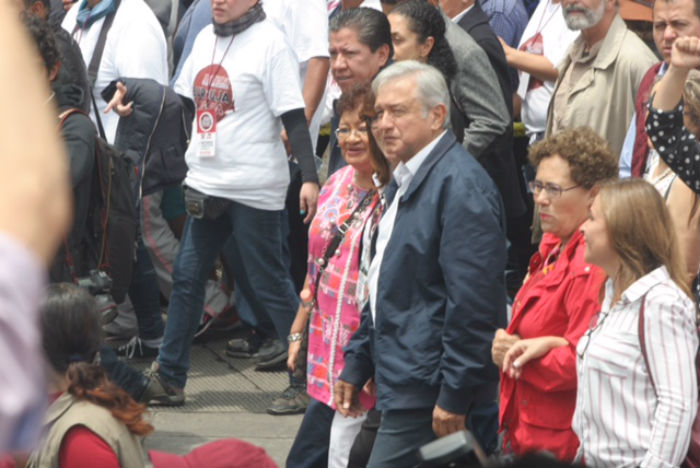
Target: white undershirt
pixel 459 16
pixel 403 174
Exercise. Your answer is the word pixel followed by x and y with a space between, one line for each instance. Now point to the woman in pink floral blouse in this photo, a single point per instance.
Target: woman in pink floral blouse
pixel 347 202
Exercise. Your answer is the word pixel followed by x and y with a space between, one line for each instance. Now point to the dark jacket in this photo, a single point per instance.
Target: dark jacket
pixel 476 23
pixel 441 293
pixel 78 135
pixel 155 135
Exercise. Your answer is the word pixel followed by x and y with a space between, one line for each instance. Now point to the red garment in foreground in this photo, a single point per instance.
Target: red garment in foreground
pixel 82 448
pixel 558 298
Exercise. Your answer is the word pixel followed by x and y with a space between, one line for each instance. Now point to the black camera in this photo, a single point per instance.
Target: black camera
pixel 99 284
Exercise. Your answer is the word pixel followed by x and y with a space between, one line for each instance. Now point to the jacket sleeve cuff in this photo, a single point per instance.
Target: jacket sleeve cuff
pixel 461 401
pixel 356 371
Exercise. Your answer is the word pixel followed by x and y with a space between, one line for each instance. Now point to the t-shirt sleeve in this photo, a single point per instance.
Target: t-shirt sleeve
pixel 82 448
pixel 280 79
pixel 143 51
pixel 184 83
pixel 311 30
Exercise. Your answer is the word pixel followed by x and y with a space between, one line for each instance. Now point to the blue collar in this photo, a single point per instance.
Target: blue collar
pixel 87 16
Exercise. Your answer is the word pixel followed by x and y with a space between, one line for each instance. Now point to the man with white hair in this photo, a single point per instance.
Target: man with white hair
pixel 599 77
pixel 436 286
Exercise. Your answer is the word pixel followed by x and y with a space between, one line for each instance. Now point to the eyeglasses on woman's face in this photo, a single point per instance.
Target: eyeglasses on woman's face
pixel 551 190
pixel 343 133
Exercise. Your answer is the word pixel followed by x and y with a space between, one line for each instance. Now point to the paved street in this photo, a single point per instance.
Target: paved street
pixel 225 398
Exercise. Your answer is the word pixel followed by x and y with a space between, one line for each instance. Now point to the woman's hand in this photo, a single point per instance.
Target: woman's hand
pixel 502 342
pixel 293 355
pixel 686 52
pixel 526 350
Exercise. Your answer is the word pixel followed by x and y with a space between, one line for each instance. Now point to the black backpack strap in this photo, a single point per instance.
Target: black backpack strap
pixel 97 58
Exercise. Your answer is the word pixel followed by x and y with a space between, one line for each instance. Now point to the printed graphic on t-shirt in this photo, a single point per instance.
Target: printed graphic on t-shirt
pixel 534 45
pixel 212 91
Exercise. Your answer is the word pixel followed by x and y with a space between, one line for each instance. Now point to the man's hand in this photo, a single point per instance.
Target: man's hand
pixel 686 53
pixel 67 4
pixel 308 198
pixel 347 401
pixel 502 342
pixel 117 102
pixel 446 423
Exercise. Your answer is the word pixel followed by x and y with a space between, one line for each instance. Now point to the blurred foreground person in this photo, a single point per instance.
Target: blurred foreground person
pixel 93 423
pixel 34 217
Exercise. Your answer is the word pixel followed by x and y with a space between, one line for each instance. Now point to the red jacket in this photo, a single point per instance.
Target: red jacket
pixel 557 299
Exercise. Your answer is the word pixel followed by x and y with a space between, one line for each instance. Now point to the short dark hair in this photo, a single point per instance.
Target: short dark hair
pixel 372 27
pixel 44 39
pixel 46 3
pixel 697 5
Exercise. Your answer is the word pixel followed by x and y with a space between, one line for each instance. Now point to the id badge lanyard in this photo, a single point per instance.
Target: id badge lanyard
pixel 206 117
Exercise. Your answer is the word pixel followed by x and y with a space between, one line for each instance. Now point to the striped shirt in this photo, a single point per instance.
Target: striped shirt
pixel 619 419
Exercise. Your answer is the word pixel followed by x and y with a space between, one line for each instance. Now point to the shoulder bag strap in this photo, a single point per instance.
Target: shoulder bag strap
pixel 337 238
pixel 642 342
pixel 95 62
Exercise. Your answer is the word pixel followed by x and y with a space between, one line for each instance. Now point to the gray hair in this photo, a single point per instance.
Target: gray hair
pixel 431 85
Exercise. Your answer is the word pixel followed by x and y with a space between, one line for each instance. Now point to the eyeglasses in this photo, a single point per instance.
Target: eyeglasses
pixel 344 133
pixel 551 190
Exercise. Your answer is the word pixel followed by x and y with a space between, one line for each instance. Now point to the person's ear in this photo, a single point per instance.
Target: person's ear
pixel 427 46
pixel 53 73
pixel 438 114
pixel 383 52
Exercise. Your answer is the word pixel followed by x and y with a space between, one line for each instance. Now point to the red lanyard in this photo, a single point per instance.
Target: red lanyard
pixel 216 72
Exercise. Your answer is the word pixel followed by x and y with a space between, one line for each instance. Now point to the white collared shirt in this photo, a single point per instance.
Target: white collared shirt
pixel 619 418
pixel 460 15
pixel 403 174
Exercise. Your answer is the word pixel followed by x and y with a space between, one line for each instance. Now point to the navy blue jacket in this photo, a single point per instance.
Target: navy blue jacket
pixel 441 293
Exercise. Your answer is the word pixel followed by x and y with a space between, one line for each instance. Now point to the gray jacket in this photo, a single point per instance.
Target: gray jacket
pixel 476 91
pixel 488 133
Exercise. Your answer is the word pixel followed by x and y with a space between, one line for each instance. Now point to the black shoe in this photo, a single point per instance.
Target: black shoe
pixel 135 348
pixel 272 354
pixel 294 400
pixel 245 347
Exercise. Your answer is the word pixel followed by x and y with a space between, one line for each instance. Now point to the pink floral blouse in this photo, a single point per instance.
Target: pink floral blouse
pixel 337 314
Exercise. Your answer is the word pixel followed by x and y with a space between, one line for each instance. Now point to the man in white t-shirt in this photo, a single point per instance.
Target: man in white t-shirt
pixel 135 46
pixel 243 77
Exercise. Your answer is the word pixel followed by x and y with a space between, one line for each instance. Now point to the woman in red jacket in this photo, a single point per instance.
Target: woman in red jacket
pixel 558 299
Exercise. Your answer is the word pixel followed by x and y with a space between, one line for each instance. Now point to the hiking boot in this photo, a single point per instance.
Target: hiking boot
pixel 158 392
pixel 272 355
pixel 294 400
pixel 245 347
pixel 135 348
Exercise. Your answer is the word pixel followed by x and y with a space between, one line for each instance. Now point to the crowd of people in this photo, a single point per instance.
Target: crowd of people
pixel 437 215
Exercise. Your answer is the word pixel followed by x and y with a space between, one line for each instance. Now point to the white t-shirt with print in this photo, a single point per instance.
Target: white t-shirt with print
pixel 556 38
pixel 135 48
pixel 257 81
pixel 305 23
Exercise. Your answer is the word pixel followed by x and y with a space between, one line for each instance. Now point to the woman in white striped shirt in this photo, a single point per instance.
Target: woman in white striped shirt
pixel 632 411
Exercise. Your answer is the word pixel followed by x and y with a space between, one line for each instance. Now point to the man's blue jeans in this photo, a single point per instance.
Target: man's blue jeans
pixel 254 253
